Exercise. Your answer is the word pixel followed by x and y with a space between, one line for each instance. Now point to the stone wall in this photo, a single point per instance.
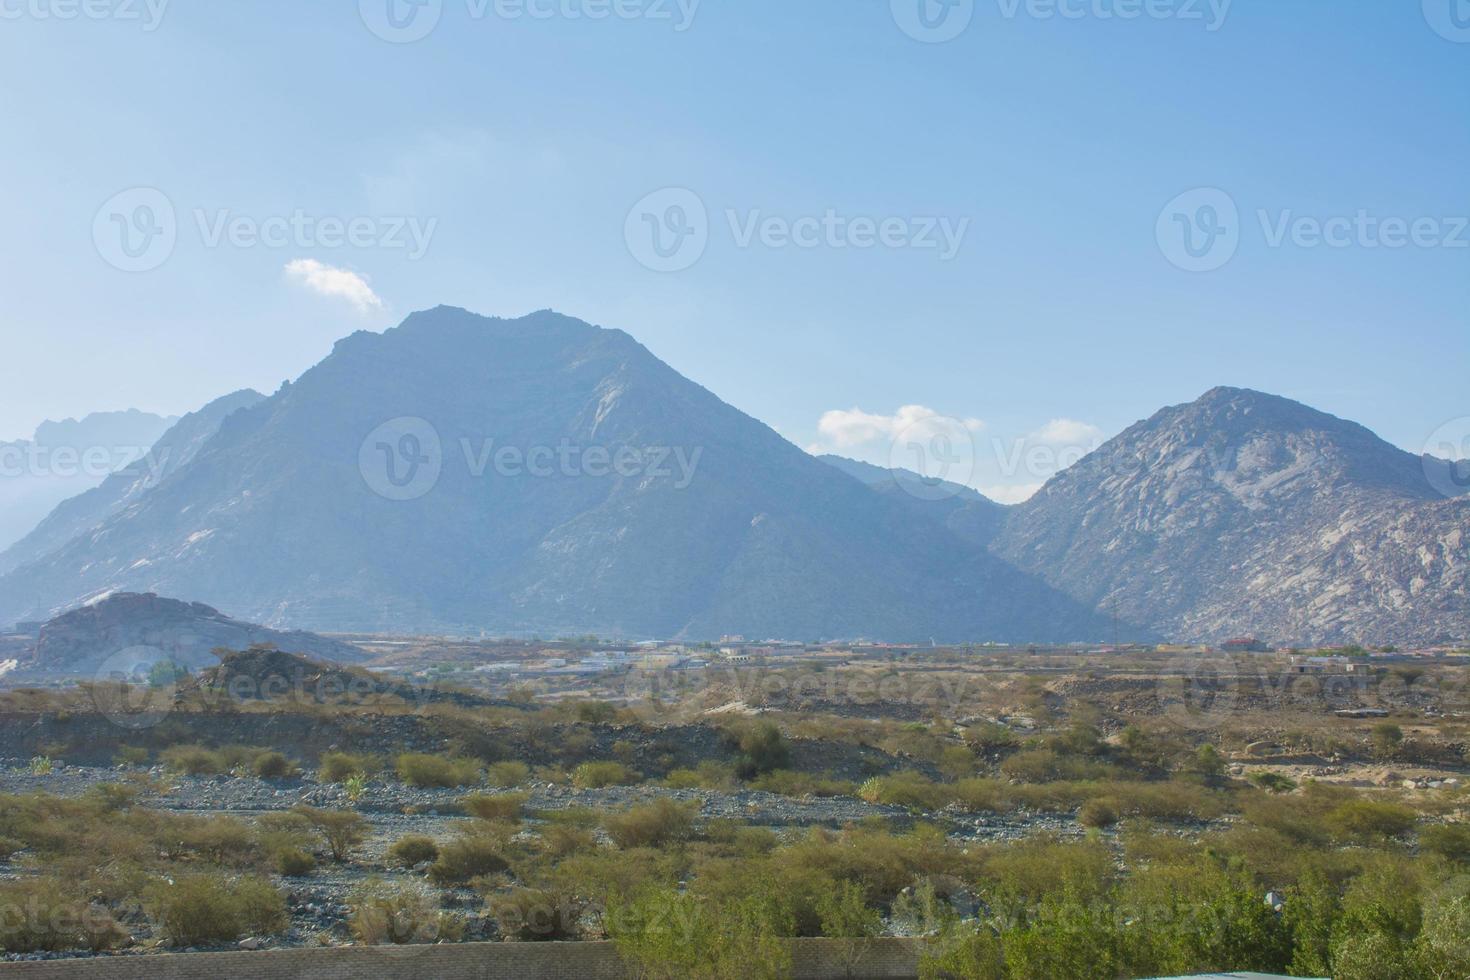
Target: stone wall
pixel 813 959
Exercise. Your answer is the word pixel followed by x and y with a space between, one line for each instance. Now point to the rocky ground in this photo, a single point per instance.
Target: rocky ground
pixel 319 903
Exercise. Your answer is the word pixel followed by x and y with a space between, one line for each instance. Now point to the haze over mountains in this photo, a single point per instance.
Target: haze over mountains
pixel 541 475
pixel 65 458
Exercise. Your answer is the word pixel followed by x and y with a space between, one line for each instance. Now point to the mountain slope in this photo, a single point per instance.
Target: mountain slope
pixel 64 459
pixel 1249 513
pixel 715 524
pixel 173 450
pixel 968 514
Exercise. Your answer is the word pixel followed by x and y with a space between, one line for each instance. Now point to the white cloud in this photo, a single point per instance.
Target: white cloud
pixel 1068 432
pixel 1012 493
pixel 854 427
pixel 326 280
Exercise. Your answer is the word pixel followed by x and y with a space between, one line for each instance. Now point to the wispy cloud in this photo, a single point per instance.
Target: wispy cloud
pixel 854 427
pixel 327 280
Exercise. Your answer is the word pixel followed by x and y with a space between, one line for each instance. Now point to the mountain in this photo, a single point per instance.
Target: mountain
pixel 173 450
pixel 1249 513
pixel 126 632
pixel 64 459
pixel 964 511
pixel 538 475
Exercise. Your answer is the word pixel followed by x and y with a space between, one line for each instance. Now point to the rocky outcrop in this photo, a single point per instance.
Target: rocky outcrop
pixel 1246 513
pixel 126 633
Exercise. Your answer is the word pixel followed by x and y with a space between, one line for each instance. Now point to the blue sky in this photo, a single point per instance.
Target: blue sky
pixel 519 145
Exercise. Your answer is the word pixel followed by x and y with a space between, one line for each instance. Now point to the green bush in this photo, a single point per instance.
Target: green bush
pixel 338 767
pixel 293 862
pixel 658 823
pixel 193 760
pixel 668 935
pixel 400 914
pixel 436 772
pixel 538 915
pixel 342 830
pixel 1450 841
pixel 131 755
pixel 597 775
pixel 508 775
pixel 495 806
pixel 1098 813
pixel 413 849
pixel 466 858
pixel 1369 821
pixel 38 916
pixel 273 765
pixel 202 910
pixel 762 749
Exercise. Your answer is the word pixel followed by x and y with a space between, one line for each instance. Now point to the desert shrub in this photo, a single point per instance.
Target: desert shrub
pixel 738 939
pixel 1047 765
pixel 560 840
pixel 273 765
pixel 342 830
pixel 1369 821
pixel 293 862
pixel 413 849
pixel 789 782
pixel 506 775
pixel 1273 782
pixel 762 749
pixel 436 772
pixel 1442 947
pixel 1450 841
pixel 338 767
pixel 466 858
pixel 193 760
pixel 222 840
pixel 400 914
pixel 908 789
pixel 682 779
pixel 538 914
pixel 990 736
pixel 978 795
pixel 596 712
pixel 131 755
pixel 597 775
pixel 1098 812
pixel 38 916
pixel 111 797
pixel 495 806
pixel 200 910
pixel 661 822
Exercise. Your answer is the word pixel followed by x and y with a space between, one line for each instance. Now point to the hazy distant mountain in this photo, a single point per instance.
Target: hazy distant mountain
pixel 966 512
pixel 684 516
pixel 1249 513
pixel 172 451
pixel 126 632
pixel 64 459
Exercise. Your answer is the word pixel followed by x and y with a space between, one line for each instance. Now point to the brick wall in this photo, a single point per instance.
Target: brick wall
pixel 813 959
